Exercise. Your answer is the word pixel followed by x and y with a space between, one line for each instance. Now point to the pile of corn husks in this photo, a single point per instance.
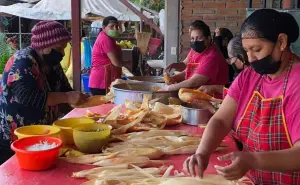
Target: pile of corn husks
pixel 150 115
pixel 133 175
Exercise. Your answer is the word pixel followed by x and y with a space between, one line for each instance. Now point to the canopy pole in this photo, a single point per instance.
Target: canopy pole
pixel 76 43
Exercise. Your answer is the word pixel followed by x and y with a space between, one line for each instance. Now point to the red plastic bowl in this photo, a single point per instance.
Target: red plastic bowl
pixel 36 160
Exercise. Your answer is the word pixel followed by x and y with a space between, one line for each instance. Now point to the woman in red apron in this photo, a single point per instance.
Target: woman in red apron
pixel 204 63
pixel 106 58
pixel 262 107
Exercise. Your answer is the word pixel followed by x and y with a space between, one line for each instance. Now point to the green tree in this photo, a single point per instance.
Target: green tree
pixel 6 51
pixel 151 4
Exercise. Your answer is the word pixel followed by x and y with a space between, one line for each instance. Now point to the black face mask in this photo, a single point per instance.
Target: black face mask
pixel 198 46
pixel 218 40
pixel 266 65
pixel 53 58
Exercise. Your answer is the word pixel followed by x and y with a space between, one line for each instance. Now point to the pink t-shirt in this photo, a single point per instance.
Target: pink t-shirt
pixel 212 64
pixel 243 86
pixel 103 45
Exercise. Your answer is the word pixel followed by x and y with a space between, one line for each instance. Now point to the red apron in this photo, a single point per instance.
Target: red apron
pixel 263 128
pixel 190 70
pixel 111 74
pixel 192 65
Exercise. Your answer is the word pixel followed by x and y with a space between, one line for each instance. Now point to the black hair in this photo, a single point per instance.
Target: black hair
pixel 226 34
pixel 200 25
pixel 235 48
pixel 109 19
pixel 268 24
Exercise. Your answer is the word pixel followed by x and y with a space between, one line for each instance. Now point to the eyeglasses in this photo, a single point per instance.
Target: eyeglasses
pixel 231 60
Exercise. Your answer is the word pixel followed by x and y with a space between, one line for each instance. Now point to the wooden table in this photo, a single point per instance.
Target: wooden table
pixel 11 174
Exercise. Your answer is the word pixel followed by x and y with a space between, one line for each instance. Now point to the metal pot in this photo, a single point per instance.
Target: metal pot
pixel 153 79
pixel 195 116
pixel 136 91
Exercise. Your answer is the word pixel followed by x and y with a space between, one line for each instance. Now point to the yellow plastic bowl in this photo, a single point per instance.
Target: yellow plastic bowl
pixel 37 130
pixel 89 141
pixel 66 126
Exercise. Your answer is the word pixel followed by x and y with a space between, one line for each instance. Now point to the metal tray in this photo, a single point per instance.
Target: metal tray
pixel 153 79
pixel 194 116
pixel 136 91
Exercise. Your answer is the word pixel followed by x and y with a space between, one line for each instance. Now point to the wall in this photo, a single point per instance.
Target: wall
pixel 216 13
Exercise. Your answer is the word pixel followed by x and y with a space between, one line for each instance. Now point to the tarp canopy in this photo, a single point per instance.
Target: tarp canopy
pixel 61 10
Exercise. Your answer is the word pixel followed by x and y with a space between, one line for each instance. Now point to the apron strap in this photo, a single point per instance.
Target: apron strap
pixel 292 60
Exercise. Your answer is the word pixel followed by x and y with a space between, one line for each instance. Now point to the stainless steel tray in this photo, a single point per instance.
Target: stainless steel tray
pixel 195 116
pixel 136 91
pixel 153 79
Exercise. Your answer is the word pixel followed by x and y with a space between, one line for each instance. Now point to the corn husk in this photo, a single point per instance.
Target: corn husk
pixel 137 161
pixel 85 173
pixel 152 133
pixel 88 159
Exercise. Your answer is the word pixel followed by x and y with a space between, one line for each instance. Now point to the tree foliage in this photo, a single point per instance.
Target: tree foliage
pixel 6 51
pixel 151 4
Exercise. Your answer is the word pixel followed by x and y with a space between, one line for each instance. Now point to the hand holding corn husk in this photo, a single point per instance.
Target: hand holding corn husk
pixel 94 101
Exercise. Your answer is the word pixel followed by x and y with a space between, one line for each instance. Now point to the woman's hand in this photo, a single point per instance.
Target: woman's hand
pixel 197 160
pixel 165 88
pixel 204 104
pixel 172 80
pixel 242 162
pixel 212 89
pixel 180 66
pixel 75 97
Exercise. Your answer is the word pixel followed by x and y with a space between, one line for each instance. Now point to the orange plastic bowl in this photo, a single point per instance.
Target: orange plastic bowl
pixel 36 160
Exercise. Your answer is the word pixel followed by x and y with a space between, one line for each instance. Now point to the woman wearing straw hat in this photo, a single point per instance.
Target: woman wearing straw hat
pixel 204 65
pixel 34 88
pixel 106 58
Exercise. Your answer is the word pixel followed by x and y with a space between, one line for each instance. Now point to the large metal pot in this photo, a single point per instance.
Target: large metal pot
pixel 195 116
pixel 136 91
pixel 153 79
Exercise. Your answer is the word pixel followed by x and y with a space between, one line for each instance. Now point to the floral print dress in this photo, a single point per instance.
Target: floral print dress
pixel 23 94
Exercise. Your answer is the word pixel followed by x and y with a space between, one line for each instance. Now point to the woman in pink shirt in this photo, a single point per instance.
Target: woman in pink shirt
pixel 262 107
pixel 204 65
pixel 106 58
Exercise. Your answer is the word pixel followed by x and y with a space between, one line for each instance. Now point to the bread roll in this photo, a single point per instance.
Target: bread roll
pixel 188 95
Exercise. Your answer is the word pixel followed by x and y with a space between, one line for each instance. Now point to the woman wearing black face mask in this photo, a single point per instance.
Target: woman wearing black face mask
pixel 34 88
pixel 238 59
pixel 237 56
pixel 203 65
pixel 262 106
pixel 222 37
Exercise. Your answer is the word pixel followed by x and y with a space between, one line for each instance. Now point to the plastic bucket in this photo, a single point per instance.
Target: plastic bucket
pixel 85 81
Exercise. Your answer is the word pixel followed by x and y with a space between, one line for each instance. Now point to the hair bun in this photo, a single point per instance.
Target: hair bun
pixel 290 26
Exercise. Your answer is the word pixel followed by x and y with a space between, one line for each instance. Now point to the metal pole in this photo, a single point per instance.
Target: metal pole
pixel 249 4
pixel 20 33
pixel 265 4
pixel 141 22
pixel 76 43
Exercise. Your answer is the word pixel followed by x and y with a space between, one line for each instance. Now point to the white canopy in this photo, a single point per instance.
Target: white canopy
pixel 61 10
